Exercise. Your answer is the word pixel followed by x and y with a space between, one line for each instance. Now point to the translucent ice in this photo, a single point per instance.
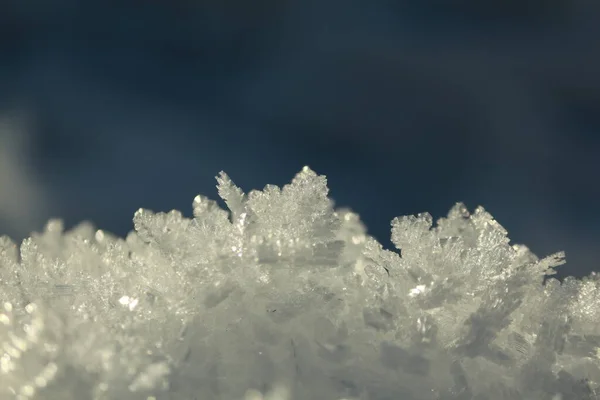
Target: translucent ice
pixel 284 297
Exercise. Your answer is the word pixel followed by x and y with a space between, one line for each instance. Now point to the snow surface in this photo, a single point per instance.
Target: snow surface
pixel 284 297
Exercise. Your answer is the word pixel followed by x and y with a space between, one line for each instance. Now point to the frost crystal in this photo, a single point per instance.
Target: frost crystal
pixel 284 297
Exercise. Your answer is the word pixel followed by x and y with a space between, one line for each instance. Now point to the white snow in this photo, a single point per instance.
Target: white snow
pixel 284 297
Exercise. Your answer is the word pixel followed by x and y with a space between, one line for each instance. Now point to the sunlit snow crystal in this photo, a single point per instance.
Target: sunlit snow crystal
pixel 283 297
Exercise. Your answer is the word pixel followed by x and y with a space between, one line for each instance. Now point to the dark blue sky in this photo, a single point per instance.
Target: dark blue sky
pixel 405 106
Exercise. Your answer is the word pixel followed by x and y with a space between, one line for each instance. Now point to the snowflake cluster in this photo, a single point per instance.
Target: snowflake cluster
pixel 286 296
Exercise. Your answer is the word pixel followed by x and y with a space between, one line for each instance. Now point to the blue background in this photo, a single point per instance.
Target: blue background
pixel 109 106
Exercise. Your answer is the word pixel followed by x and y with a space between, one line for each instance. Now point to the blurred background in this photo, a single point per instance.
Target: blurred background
pixel 406 106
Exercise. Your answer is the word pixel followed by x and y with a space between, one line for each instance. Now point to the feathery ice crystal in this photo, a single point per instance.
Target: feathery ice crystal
pixel 286 296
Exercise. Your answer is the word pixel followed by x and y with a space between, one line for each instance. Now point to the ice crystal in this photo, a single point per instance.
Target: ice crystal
pixel 286 296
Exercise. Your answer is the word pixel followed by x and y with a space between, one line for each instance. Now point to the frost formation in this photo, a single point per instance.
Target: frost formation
pixel 283 295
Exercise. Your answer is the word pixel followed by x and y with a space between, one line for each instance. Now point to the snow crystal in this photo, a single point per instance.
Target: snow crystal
pixel 285 297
